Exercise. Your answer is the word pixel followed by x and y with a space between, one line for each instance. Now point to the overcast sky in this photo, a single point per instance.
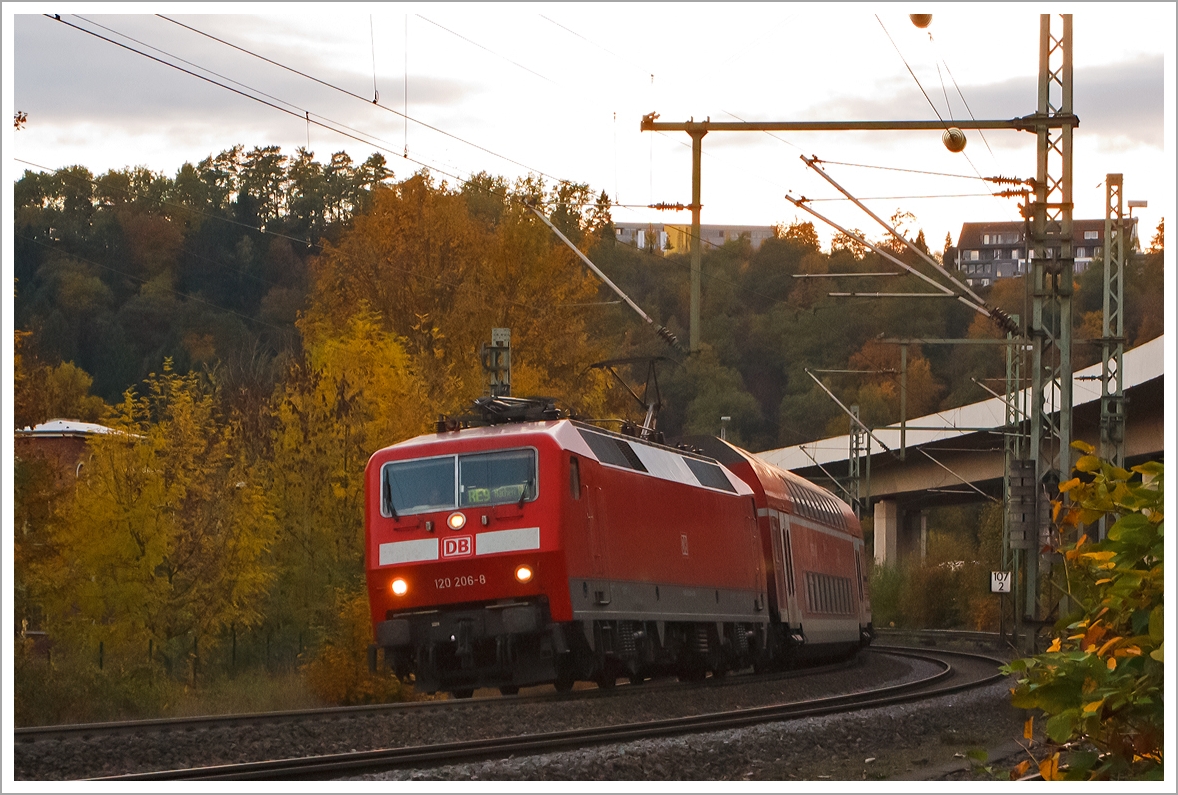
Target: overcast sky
pixel 560 89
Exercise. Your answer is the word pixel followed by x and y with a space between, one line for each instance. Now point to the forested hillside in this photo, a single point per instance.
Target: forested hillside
pixel 212 267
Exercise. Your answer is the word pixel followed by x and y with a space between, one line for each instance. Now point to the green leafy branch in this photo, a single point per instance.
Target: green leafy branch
pixel 1100 681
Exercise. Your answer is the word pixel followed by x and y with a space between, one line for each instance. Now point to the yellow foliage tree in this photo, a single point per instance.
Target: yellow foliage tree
pixel 163 541
pixel 42 392
pixel 440 278
pixel 354 392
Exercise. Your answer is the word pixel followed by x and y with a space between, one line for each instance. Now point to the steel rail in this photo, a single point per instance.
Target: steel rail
pixel 451 753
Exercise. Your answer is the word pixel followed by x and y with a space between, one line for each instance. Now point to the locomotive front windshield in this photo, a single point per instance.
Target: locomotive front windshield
pixel 496 478
pixel 467 481
pixel 419 486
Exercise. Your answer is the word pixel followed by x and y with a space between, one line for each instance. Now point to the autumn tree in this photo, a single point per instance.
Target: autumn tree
pixel 440 277
pixel 878 391
pixel 163 544
pixel 43 392
pixel 353 392
pixel 841 241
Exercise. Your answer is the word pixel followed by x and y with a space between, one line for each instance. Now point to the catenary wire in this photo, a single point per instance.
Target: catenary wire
pixel 925 93
pixel 488 49
pixel 343 132
pixel 342 90
pixel 964 101
pixel 909 68
pixel 905 170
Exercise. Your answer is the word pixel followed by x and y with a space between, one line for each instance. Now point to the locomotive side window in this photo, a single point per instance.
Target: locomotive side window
pixel 496 478
pixel 708 475
pixel 612 451
pixel 575 477
pixel 419 486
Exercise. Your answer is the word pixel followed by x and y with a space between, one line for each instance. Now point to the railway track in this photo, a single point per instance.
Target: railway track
pixel 197 722
pixel 956 671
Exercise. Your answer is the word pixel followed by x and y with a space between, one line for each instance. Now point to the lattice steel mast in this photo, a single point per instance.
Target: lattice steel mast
pixel 1052 270
pixel 1112 392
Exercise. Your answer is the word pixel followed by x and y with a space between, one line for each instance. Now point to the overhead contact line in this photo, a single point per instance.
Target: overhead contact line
pixel 365 100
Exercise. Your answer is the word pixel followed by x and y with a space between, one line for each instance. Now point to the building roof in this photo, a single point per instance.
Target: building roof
pixel 972 231
pixel 65 428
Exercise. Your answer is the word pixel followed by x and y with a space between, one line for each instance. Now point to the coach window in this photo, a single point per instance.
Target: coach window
pixel 497 478
pixel 575 477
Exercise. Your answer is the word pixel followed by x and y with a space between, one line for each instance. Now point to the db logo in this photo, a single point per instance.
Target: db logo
pixel 456 547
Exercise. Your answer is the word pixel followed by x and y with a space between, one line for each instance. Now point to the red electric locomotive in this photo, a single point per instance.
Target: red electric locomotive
pixel 548 550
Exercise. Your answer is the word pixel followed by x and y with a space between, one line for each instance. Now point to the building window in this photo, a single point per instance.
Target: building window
pixel 1081 252
pixel 1091 235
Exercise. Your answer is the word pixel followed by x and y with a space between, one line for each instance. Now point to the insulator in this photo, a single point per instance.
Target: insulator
pixel 954 139
pixel 921 20
pixel 670 337
pixel 1003 319
pixel 1006 180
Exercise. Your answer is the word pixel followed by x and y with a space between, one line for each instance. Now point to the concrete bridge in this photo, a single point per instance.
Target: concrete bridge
pixel 957 455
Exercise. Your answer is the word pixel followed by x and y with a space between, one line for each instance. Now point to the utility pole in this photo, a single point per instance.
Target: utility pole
pixel 1050 284
pixel 1112 390
pixel 697 145
pixel 859 474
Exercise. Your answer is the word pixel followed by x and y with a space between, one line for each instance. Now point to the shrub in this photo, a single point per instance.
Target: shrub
pixel 1100 681
pixel 339 673
pixel 886 583
pixel 68 690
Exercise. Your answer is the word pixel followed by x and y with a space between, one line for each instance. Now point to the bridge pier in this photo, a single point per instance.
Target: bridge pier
pixel 899 532
pixel 887 531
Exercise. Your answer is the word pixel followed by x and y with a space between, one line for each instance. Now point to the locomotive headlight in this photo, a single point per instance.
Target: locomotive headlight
pixel 400 587
pixel 523 573
pixel 456 520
